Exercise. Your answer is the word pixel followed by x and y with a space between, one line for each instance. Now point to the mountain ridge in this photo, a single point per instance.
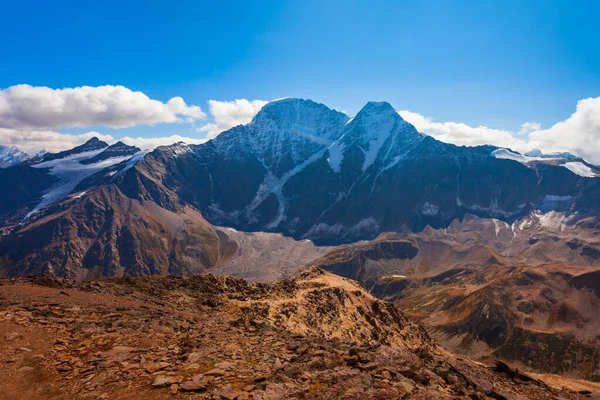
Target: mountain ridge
pixel 275 174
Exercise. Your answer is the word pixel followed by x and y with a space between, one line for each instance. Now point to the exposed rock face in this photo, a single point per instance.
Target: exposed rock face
pixel 316 336
pixel 504 252
pixel 366 263
pixel 22 188
pixel 91 145
pixel 118 149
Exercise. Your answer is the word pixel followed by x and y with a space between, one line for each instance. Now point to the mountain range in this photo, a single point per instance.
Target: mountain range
pixel 298 168
pixel 495 252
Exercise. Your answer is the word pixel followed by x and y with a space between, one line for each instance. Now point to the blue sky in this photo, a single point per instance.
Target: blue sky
pixel 493 63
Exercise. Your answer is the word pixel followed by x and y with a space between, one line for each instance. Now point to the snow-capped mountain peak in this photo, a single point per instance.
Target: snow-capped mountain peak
pixel 11 155
pixel 281 115
pixel 379 133
pixel 91 145
pixel 284 134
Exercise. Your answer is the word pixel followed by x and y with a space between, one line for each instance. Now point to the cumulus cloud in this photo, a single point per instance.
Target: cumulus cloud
pixel 39 108
pixel 579 134
pixel 228 114
pixel 462 134
pixel 529 127
pixel 32 141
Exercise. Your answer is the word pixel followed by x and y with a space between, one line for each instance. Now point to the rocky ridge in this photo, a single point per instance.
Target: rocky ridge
pixel 316 336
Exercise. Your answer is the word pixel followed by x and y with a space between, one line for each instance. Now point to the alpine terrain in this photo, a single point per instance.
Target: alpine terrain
pixel 350 234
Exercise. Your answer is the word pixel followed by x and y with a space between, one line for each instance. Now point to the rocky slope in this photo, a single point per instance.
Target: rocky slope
pixel 105 233
pixel 527 292
pixel 316 336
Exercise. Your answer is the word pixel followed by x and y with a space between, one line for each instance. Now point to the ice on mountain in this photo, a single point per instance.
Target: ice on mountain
pixel 506 154
pixel 336 156
pixel 494 210
pixel 580 169
pixel 137 157
pixel 379 133
pixel 70 172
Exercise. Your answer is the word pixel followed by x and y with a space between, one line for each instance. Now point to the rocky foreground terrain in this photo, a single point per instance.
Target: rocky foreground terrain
pixel 315 336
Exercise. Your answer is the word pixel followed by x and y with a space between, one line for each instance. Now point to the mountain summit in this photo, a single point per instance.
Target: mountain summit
pixel 11 155
pixel 375 128
pixel 298 168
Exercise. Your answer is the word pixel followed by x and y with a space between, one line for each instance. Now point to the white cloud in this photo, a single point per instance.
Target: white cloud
pixel 578 134
pixel 31 140
pixel 462 134
pixel 228 114
pixel 38 108
pixel 29 117
pixel 529 127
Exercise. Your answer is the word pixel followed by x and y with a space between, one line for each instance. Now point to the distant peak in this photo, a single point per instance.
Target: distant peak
pixel 379 105
pixel 118 144
pixel 288 102
pixel 93 140
pixel 377 110
pixel 292 110
pixel 93 143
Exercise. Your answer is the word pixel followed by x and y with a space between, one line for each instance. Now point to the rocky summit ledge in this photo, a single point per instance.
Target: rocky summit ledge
pixel 315 336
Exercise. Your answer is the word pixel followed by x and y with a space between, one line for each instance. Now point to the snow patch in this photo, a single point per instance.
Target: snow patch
pixel 322 230
pixel 493 210
pixel 137 157
pixel 580 169
pixel 525 224
pixel 70 172
pixel 310 134
pixel 498 225
pixel 506 154
pixel 180 148
pixel 336 156
pixel 377 133
pixel 78 195
pixel 554 220
pixel 274 185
